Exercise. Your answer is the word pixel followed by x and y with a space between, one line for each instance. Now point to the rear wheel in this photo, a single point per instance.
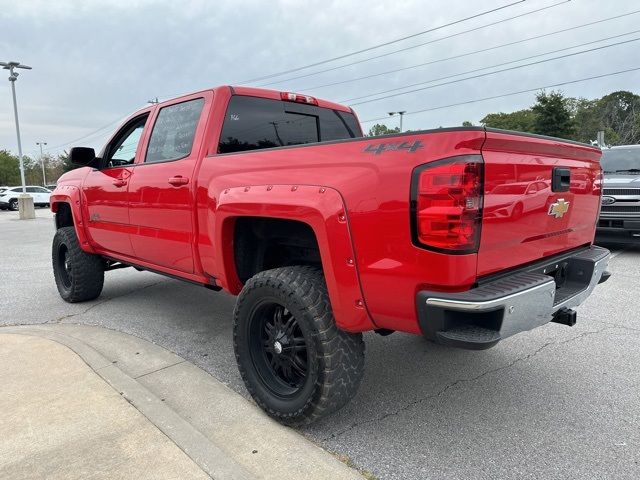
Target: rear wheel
pixel 79 275
pixel 295 362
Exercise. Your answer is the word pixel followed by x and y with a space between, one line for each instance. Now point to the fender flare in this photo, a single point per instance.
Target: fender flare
pixel 72 196
pixel 323 209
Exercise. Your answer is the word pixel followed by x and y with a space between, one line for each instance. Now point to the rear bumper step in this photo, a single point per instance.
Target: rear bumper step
pixel 479 318
pixel 470 337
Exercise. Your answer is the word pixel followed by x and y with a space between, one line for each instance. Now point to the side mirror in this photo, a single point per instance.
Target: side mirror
pixel 82 156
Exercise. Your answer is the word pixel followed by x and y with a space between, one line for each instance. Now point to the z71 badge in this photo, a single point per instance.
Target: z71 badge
pixel 378 148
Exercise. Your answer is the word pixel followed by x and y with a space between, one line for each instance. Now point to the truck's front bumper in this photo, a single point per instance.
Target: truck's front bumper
pixel 622 230
pixel 520 301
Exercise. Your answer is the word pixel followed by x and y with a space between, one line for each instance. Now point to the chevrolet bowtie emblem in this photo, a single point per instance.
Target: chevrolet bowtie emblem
pixel 559 208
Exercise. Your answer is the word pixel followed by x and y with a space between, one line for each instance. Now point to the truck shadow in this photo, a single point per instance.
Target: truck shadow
pixel 402 371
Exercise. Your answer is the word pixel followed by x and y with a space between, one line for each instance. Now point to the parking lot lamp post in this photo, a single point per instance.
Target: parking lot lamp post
pixel 44 177
pixel 13 76
pixel 401 113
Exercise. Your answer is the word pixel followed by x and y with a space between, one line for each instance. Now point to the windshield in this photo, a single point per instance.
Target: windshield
pixel 620 160
pixel 509 189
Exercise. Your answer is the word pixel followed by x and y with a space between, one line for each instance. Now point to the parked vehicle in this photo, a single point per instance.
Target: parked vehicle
pixel 620 212
pixel 514 199
pixel 9 197
pixel 276 197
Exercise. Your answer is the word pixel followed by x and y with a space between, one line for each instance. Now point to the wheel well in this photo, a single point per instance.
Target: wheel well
pixel 64 216
pixel 265 243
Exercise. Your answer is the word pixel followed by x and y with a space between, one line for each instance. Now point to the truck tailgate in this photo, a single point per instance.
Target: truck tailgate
pixel 527 215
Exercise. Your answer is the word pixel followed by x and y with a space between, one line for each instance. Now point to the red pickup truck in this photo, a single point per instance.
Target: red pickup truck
pixel 463 235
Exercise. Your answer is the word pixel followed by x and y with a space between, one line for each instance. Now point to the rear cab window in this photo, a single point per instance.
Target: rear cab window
pixel 253 123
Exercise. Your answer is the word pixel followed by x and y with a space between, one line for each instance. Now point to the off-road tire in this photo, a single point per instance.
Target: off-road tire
pixel 83 278
pixel 335 358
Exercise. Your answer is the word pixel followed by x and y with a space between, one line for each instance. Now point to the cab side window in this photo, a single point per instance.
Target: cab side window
pixel 174 130
pixel 123 149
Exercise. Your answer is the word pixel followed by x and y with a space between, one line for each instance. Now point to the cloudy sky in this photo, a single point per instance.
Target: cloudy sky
pixel 96 62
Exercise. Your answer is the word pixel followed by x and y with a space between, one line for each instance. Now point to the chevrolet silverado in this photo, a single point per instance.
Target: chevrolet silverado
pixel 463 235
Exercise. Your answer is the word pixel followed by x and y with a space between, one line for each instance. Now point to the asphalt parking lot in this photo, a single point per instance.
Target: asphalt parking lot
pixel 557 402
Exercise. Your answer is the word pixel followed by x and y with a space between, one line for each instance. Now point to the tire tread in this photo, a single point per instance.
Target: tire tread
pixel 340 353
pixel 88 269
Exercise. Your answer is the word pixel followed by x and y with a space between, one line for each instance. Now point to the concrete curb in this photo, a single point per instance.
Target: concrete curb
pixel 222 432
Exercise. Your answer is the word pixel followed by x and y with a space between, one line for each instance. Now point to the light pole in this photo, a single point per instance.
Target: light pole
pixel 44 178
pixel 401 113
pixel 13 76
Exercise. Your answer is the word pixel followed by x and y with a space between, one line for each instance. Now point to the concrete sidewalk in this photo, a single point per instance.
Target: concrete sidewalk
pixel 80 401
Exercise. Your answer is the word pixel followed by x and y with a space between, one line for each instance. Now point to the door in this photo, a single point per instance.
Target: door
pixel 42 194
pixel 162 191
pixel 35 194
pixel 105 190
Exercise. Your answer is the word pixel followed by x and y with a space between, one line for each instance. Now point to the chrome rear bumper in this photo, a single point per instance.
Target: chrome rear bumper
pixel 482 316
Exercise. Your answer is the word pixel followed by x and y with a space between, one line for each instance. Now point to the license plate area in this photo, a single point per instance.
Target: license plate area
pixel 571 276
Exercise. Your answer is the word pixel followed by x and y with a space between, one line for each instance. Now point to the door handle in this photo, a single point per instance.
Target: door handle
pixel 178 180
pixel 119 182
pixel 561 180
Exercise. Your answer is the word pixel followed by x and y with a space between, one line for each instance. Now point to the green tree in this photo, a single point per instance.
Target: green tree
pixel 381 129
pixel 619 114
pixel 467 123
pixel 520 120
pixel 67 166
pixel 585 119
pixel 9 169
pixel 553 115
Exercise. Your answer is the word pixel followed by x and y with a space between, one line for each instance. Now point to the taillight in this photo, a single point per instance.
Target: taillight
pixel 446 204
pixel 296 97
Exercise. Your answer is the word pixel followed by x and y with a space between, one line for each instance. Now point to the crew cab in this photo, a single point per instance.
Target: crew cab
pixel 620 212
pixel 323 234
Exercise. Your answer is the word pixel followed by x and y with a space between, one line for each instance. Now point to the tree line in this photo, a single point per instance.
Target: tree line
pixel 55 165
pixel 580 119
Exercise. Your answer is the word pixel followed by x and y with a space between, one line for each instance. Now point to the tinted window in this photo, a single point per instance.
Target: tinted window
pixel 509 189
pixel 253 123
pixel 620 159
pixel 174 130
pixel 32 190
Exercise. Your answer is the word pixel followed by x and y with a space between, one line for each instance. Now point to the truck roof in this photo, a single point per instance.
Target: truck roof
pixel 263 93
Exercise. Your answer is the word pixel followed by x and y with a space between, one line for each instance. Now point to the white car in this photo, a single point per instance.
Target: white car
pixel 9 196
pixel 512 200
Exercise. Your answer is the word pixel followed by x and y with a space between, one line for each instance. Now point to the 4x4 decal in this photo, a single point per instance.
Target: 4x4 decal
pixel 378 148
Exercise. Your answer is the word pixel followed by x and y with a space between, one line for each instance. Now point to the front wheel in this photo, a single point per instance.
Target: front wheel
pixel 13 204
pixel 295 362
pixel 79 275
pixel 517 211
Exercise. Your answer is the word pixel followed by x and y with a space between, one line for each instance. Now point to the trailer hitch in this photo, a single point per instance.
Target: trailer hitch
pixel 565 316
